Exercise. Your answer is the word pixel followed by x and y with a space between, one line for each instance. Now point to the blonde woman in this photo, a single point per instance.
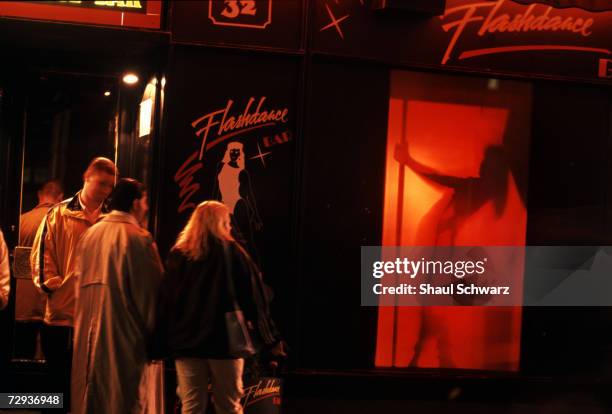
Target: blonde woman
pixel 195 300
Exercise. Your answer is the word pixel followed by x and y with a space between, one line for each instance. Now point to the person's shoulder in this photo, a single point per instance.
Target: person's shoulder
pixel 59 210
pixel 62 206
pixel 29 213
pixel 233 246
pixel 176 258
pixel 136 230
pixel 37 211
pixel 137 234
pixel 139 242
pixel 123 222
pixel 238 251
pixel 176 254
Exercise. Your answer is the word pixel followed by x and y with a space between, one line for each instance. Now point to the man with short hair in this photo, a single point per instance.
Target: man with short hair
pixel 53 262
pixel 49 195
pixel 119 273
pixel 29 301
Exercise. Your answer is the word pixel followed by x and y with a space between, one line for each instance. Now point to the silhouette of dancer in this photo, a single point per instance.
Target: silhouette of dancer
pixel 468 194
pixel 233 188
pixel 439 226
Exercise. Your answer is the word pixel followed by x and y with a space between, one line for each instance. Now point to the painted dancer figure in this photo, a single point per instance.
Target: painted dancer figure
pixel 439 226
pixel 233 187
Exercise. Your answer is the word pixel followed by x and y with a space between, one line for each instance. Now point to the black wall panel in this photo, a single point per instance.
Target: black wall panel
pixel 342 199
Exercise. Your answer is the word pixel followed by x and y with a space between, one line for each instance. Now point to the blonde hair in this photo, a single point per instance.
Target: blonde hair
pixel 208 219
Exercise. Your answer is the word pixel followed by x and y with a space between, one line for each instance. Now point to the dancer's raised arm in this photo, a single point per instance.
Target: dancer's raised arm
pixel 402 155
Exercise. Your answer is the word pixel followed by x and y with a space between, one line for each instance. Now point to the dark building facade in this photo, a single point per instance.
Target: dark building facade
pixel 316 95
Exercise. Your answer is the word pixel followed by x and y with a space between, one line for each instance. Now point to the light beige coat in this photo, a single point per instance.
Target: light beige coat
pixel 117 281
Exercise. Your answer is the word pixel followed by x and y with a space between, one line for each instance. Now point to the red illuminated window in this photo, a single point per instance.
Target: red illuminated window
pixel 457 156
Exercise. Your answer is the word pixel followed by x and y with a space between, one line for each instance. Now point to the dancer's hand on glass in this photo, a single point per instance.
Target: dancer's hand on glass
pixel 402 153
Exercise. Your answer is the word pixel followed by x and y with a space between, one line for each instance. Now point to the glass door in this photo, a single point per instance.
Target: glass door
pixel 67 120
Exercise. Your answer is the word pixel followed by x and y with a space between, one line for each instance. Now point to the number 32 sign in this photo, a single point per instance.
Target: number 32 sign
pixel 254 14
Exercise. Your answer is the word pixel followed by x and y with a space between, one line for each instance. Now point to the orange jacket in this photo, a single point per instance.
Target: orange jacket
pixel 54 254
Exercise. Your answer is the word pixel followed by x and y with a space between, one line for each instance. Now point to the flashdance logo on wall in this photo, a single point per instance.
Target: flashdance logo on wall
pixel 225 127
pixel 262 396
pixel 238 139
pixel 530 28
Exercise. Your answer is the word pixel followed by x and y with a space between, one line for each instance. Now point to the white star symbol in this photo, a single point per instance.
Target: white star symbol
pixel 260 155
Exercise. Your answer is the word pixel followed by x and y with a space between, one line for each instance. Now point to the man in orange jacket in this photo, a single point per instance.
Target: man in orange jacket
pixel 53 263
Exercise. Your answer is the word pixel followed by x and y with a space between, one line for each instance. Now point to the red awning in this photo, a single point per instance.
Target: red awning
pixel 590 5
